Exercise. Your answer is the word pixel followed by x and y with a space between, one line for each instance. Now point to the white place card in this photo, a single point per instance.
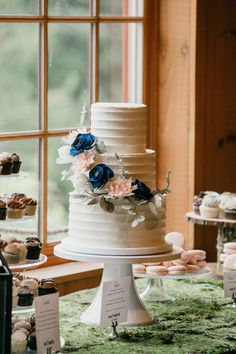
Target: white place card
pixel 229 284
pixel 47 323
pixel 115 297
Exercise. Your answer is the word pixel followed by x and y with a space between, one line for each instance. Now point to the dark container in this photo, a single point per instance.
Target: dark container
pixel 5 306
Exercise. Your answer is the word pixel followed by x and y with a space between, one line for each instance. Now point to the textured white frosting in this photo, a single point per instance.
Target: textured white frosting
pixel 94 230
pixel 212 200
pixel 122 126
pixel 140 166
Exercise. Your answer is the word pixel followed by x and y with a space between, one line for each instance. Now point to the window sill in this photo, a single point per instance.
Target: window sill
pixel 71 276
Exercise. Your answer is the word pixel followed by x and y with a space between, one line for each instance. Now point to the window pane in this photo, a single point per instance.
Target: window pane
pixel 18 73
pixel 18 7
pixel 120 62
pixel 121 8
pixel 58 197
pixel 69 7
pixel 68 73
pixel 28 152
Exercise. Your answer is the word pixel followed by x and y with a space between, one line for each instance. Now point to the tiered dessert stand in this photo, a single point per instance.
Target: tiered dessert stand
pixel 114 268
pixel 226 231
pixel 155 291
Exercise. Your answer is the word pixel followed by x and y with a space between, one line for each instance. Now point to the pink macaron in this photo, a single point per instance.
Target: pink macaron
pixel 200 255
pixel 157 270
pixel 177 270
pixel 201 264
pixel 139 268
pixel 176 238
pixel 230 248
pixel 191 268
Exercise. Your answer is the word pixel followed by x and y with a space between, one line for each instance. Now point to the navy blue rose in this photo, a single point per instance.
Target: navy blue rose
pixel 142 192
pixel 82 142
pixel 99 175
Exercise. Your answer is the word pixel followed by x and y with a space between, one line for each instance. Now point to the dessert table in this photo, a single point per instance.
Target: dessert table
pixel 116 267
pixel 226 230
pixel 197 322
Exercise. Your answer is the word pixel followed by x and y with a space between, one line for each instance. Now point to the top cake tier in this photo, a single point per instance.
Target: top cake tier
pixel 121 126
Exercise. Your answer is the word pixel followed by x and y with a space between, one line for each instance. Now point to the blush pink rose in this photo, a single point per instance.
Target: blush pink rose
pixel 83 162
pixel 120 187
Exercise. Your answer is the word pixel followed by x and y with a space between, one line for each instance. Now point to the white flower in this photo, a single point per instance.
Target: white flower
pixel 72 135
pixel 64 155
pixel 79 182
pixel 66 174
pixel 158 200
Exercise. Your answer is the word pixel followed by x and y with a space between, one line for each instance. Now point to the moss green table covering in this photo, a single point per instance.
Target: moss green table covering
pixel 197 322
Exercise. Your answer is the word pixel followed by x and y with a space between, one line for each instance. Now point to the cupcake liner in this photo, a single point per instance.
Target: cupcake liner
pixel 14 213
pixel 11 258
pixel 25 299
pixel 16 166
pixel 3 213
pixel 18 347
pixel 47 291
pixel 33 252
pixel 6 168
pixel 30 210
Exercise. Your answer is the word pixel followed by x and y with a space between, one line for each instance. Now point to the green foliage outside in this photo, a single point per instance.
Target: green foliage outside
pixel 68 73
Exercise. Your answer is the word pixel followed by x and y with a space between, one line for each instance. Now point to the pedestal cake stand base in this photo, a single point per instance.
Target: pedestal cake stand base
pixel 114 268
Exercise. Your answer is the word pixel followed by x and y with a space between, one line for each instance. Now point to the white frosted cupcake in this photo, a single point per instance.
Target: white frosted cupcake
pixel 18 342
pixel 230 263
pixel 210 205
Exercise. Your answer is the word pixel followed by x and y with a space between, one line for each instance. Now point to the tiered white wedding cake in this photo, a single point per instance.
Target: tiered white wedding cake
pixel 114 209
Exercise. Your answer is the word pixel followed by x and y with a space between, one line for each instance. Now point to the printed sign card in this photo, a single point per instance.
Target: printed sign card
pixel 47 323
pixel 115 297
pixel 230 284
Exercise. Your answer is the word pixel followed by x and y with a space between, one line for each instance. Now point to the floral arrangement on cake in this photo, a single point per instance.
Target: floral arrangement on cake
pixel 97 183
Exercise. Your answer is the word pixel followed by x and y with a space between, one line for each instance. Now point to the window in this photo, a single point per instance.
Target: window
pixel 56 56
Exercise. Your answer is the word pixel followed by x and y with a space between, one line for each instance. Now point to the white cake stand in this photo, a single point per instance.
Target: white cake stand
pixel 114 268
pixel 155 291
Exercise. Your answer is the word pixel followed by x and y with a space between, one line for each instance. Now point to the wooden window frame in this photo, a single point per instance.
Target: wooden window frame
pixel 44 133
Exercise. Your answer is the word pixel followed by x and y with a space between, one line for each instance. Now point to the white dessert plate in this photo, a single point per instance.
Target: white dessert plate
pixel 28 263
pixel 23 219
pixel 15 176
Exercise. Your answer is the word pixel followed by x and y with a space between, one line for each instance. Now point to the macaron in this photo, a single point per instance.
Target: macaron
pixel 152 264
pixel 199 254
pixel 176 238
pixel 191 268
pixel 201 264
pixel 230 248
pixel 157 270
pixel 177 270
pixel 139 268
pixel 230 262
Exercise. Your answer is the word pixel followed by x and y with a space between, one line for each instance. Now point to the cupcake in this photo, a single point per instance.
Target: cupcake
pixel 30 206
pixel 32 284
pixel 15 297
pixel 210 205
pixel 6 163
pixel 33 246
pixel 18 342
pixel 16 163
pixel 15 253
pixel 3 210
pixel 22 324
pixel 197 201
pixel 26 296
pixel 3 245
pixel 15 209
pixel 230 208
pixel 47 286
pixel 17 196
pixel 32 341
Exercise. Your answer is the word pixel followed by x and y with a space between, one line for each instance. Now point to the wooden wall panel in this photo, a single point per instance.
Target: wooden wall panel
pixel 174 126
pixel 215 164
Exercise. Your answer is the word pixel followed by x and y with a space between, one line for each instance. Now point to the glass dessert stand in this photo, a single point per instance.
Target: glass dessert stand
pixel 114 268
pixel 226 232
pixel 155 291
